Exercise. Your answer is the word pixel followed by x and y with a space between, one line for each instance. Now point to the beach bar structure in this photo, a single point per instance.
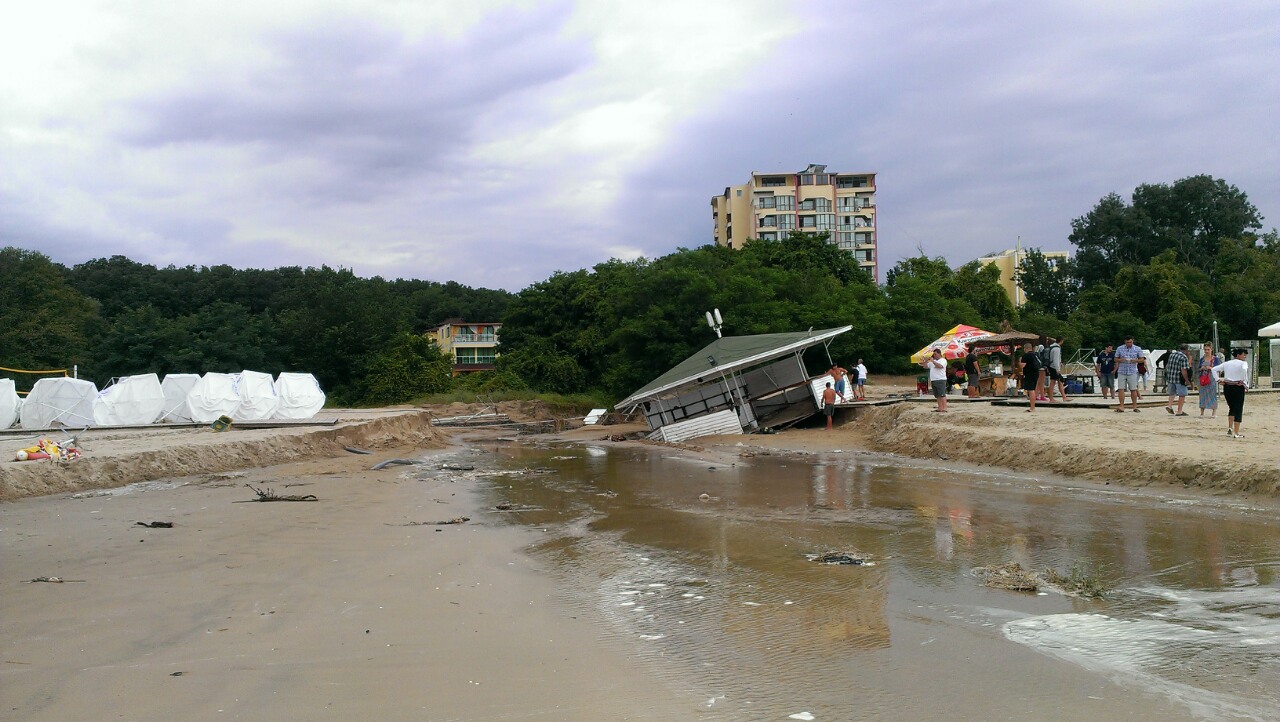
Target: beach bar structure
pixel 733 384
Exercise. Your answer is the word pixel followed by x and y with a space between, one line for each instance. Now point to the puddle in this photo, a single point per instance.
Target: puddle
pixel 703 576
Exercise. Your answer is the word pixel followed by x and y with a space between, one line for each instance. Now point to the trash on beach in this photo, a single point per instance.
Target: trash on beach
pixel 456 467
pixel 802 715
pixel 354 450
pixel 52 580
pixel 393 462
pixel 155 524
pixel 613 437
pixel 55 451
pixel 504 507
pixel 455 520
pixel 1009 576
pixel 846 558
pixel 271 495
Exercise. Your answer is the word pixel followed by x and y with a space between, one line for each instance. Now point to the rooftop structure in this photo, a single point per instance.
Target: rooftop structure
pixel 1009 260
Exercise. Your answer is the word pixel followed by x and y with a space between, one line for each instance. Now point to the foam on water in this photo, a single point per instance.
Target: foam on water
pixel 1215 652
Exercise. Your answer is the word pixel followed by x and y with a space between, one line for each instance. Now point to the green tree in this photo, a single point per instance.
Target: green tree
pixel 1051 287
pixel 408 367
pixel 44 323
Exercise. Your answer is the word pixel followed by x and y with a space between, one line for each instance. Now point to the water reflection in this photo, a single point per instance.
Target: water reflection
pixel 703 566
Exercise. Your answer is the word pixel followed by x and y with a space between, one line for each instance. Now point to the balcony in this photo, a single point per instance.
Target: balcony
pixel 475 338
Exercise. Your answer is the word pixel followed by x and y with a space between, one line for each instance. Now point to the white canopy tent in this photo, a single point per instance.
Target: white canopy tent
pixel 59 401
pixel 10 403
pixel 1272 331
pixel 300 396
pixel 212 396
pixel 176 388
pixel 258 398
pixel 131 401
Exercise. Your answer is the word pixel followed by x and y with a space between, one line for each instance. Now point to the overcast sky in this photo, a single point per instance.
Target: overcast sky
pixel 493 143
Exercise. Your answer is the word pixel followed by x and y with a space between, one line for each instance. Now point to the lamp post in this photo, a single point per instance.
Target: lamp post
pixel 715 322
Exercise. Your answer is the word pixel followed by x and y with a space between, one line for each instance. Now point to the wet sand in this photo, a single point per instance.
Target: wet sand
pixel 320 611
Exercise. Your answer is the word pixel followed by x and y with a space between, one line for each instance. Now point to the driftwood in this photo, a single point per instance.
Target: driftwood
pixel 155 524
pixel 392 462
pixel 354 450
pixel 271 495
pixel 455 520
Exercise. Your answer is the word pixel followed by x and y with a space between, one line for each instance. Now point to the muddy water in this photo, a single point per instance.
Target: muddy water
pixel 716 595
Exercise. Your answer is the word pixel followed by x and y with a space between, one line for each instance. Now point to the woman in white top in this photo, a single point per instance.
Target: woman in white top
pixel 1235 379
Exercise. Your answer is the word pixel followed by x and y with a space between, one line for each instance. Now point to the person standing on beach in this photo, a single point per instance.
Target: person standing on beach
pixel 829 403
pixel 1104 365
pixel 971 372
pixel 937 377
pixel 860 390
pixel 1128 357
pixel 1144 371
pixel 1208 382
pixel 1054 370
pixel 1032 371
pixel 1235 380
pixel 1177 377
pixel 839 375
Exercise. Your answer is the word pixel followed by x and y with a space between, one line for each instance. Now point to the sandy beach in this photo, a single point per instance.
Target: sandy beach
pixel 360 605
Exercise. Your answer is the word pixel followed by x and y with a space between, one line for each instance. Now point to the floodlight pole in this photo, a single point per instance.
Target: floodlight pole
pixel 715 322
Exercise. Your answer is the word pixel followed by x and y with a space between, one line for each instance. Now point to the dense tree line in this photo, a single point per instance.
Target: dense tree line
pixel 1162 267
pixel 114 317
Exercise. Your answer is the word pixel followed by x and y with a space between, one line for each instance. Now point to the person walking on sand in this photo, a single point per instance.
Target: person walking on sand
pixel 1208 392
pixel 829 403
pixel 1177 377
pixel 1235 380
pixel 1144 371
pixel 1032 371
pixel 1128 357
pixel 1104 365
pixel 860 389
pixel 839 375
pixel 937 378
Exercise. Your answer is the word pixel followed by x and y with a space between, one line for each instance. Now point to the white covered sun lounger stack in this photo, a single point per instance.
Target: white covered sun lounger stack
pixel 59 402
pixel 258 398
pixel 300 396
pixel 212 396
pixel 10 403
pixel 131 401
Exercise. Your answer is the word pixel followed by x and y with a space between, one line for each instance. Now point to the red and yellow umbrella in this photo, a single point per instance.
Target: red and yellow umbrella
pixel 952 343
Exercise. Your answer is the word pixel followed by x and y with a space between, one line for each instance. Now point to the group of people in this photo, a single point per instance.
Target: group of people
pixel 831 393
pixel 1118 373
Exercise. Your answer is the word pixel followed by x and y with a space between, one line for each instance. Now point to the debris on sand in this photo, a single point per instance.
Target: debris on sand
pixel 457 467
pixel 855 559
pixel 393 462
pixel 504 507
pixel 1078 584
pixel 1009 576
pixel 271 495
pixel 155 524
pixel 52 580
pixel 355 450
pixel 455 520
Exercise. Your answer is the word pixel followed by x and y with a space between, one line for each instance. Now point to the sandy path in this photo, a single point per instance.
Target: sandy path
pixel 317 611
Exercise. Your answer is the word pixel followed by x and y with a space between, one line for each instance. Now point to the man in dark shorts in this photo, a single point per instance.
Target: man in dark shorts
pixel 937 367
pixel 1105 366
pixel 1032 370
pixel 829 403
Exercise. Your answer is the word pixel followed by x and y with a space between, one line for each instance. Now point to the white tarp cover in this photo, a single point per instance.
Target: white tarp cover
pixel 59 401
pixel 300 396
pixel 212 396
pixel 10 403
pixel 258 398
pixel 176 387
pixel 1270 331
pixel 132 401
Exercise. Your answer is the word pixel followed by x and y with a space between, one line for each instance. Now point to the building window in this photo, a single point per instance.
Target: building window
pixel 786 203
pixel 808 221
pixel 787 222
pixel 766 202
pixel 853 181
pixel 768 221
pixel 739 193
pixel 864 237
pixel 845 240
pixel 768 236
pixel 808 204
pixel 773 181
pixel 826 221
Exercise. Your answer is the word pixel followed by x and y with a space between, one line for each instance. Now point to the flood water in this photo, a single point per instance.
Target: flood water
pixel 716 596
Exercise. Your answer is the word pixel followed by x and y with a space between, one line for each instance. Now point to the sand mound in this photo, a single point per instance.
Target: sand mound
pixel 1132 449
pixel 118 458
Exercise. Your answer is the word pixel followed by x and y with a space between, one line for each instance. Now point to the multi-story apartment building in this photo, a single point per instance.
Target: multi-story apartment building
pixel 473 346
pixel 814 200
pixel 1008 262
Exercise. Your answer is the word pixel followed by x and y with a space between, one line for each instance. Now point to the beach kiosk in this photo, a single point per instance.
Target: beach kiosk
pixel 1273 332
pixel 733 384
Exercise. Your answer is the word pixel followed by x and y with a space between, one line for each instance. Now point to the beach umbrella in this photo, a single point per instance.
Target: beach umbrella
pixel 952 343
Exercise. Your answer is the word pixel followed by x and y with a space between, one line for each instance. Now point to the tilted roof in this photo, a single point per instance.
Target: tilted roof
pixel 730 354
